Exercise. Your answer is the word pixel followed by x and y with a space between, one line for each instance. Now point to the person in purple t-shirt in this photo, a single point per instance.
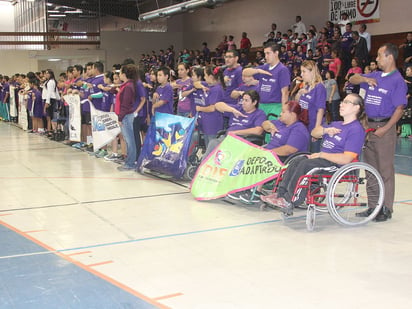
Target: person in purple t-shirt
pixel 211 121
pixel 385 98
pixel 274 80
pixel 245 120
pixel 312 98
pixel 248 83
pixel 183 84
pixel 342 143
pixel 232 75
pixel 163 96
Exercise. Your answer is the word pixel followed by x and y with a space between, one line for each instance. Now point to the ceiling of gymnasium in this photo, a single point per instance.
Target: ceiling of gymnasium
pixel 130 9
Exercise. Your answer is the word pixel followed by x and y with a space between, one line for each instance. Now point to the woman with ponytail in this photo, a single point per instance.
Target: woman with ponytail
pixel 210 120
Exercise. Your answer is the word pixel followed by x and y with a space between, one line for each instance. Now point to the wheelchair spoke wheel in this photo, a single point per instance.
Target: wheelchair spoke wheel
pixel 352 190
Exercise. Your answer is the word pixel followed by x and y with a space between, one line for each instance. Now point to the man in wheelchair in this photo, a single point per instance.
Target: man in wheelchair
pixel 342 144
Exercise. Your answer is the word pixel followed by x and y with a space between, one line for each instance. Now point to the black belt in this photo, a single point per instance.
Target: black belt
pixel 377 119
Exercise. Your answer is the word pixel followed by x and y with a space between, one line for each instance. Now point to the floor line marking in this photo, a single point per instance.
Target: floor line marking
pixel 100 263
pixel 3 215
pixel 86 268
pixel 94 202
pixel 168 296
pixel 78 253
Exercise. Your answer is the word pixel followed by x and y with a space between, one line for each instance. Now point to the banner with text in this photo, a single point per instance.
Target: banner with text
pixel 235 165
pixel 359 11
pixel 73 100
pixel 105 127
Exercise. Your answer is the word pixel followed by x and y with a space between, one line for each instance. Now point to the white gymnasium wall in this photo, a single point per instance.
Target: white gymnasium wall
pixel 190 30
pixel 6 17
pixel 255 18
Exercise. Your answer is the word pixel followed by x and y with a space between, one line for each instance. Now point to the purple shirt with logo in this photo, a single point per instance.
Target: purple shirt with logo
pixel 382 100
pixel 233 80
pixel 312 101
pixel 271 86
pixel 253 119
pixel 351 138
pixel 211 123
pixel 183 104
pixel 295 135
pixel 165 94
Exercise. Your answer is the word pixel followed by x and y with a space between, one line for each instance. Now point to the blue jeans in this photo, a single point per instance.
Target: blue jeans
pixel 128 134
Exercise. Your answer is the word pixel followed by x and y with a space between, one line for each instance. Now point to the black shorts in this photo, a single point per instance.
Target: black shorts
pixel 86 118
pixel 52 109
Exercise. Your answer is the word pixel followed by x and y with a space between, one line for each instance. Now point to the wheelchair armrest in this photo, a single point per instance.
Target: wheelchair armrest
pixel 255 139
pixel 220 133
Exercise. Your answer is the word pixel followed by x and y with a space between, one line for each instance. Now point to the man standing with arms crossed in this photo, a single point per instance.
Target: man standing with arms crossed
pixel 385 97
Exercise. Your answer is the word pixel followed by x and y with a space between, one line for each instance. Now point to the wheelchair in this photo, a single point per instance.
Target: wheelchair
pixel 340 191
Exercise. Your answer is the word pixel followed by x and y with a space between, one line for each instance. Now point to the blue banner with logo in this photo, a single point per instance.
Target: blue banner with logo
pixel 165 149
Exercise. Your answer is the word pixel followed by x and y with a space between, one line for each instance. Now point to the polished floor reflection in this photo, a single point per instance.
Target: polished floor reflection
pixel 76 233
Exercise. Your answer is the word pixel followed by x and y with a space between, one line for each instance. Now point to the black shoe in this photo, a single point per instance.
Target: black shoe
pixel 383 215
pixel 365 213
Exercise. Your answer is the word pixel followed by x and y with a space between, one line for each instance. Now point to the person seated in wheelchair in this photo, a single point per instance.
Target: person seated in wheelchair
pixel 289 135
pixel 342 143
pixel 245 119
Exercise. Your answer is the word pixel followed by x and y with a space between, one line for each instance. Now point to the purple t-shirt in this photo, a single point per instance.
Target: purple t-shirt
pixel 351 138
pixel 211 123
pixel 183 104
pixel 197 98
pixel 271 86
pixel 95 81
pixel 233 80
pixel 295 135
pixel 107 101
pixel 141 93
pixel 252 120
pixel 84 94
pixel 165 94
pixel 312 101
pixel 382 100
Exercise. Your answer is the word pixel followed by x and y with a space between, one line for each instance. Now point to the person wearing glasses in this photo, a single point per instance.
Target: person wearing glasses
pixel 342 143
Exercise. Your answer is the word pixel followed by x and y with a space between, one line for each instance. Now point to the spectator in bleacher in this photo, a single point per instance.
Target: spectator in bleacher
pixel 355 69
pixel 299 27
pixel 260 58
pixel 271 38
pixel 335 64
pixel 231 45
pixel 332 95
pixel 243 60
pixel 365 35
pixel 373 65
pixel 245 44
pixel 407 49
pixel 206 52
pixel 343 22
pixel 346 45
pixel 330 27
pixel 360 49
pixel 272 29
pixel 312 41
pixel 222 47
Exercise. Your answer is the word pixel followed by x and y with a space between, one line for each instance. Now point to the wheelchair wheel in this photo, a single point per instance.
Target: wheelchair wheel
pixel 350 192
pixel 190 172
pixel 310 218
pixel 294 156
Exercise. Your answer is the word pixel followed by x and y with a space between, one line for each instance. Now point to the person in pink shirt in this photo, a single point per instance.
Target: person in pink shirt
pixel 355 69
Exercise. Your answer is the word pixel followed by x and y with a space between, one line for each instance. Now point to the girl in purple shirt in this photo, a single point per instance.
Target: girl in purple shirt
pixel 183 84
pixel 312 97
pixel 210 120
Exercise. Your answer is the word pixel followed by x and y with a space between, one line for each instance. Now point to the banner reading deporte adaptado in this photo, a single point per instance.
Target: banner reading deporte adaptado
pixel 234 165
